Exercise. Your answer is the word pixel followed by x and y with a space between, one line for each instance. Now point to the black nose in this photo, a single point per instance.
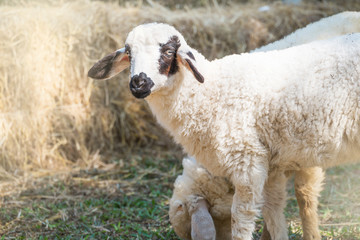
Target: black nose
pixel 140 85
pixel 139 81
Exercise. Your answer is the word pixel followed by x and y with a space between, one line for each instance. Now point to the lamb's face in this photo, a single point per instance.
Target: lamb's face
pixel 152 49
pixel 155 53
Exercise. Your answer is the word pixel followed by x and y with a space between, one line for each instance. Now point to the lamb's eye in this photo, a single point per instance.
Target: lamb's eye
pixel 169 53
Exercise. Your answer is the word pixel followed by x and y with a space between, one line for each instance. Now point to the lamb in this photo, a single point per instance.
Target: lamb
pixel 249 117
pixel 197 185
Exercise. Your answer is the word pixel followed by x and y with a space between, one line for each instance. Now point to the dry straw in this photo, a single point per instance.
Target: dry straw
pixel 51 114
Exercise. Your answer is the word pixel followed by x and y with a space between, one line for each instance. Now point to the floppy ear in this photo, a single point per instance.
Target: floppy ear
pixel 110 65
pixel 202 224
pixel 187 59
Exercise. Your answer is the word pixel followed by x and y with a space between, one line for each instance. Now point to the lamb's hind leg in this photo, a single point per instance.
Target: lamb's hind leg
pixel 308 184
pixel 275 201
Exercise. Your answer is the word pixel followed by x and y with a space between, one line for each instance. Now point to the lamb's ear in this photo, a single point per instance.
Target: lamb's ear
pixel 202 224
pixel 187 59
pixel 110 65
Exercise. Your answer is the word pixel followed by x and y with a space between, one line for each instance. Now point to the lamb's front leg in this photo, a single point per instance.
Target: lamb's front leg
pixel 275 202
pixel 247 201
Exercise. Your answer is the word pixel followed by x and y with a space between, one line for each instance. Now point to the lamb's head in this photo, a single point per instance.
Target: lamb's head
pixel 155 53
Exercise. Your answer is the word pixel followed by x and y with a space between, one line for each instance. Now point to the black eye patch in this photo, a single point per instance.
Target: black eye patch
pixel 167 62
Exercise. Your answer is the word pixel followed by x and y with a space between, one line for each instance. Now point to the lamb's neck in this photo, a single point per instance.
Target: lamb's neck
pixel 162 106
pixel 173 109
pixel 180 111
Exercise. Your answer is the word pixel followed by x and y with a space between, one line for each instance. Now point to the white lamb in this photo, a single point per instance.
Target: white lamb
pixel 196 185
pixel 249 117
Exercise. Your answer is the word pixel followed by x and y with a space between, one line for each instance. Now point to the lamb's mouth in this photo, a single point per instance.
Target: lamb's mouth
pixel 140 94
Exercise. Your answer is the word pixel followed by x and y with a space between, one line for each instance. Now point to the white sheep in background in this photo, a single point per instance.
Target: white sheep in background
pixel 325 28
pixel 250 117
pixel 197 183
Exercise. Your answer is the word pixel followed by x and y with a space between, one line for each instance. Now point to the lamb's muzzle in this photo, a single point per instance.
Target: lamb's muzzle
pixel 140 85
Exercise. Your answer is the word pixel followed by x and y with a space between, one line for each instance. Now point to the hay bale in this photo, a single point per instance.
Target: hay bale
pixel 51 114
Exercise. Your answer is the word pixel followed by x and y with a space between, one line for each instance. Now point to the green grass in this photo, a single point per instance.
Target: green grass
pixel 129 200
pixel 126 202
